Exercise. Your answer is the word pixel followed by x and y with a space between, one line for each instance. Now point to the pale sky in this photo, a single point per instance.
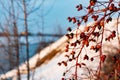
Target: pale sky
pixel 55 11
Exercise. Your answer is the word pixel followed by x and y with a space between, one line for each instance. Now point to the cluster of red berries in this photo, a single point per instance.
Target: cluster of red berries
pixel 113 34
pixel 102 58
pixel 85 18
pixel 96 48
pixel 112 7
pixel 74 20
pixel 93 2
pixel 70 35
pixel 86 57
pixel 63 62
pixel 101 13
pixel 108 19
pixel 95 17
pixel 79 7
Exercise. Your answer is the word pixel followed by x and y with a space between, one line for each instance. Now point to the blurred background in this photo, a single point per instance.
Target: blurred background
pixel 27 26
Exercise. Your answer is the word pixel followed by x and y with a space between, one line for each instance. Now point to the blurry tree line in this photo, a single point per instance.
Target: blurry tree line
pixel 18 17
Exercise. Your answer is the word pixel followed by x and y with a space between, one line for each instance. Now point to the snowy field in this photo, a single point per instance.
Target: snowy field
pixel 49 70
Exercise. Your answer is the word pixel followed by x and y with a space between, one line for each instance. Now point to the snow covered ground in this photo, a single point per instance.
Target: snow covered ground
pixel 49 70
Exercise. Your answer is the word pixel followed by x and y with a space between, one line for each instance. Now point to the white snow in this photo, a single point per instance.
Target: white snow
pixel 50 70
